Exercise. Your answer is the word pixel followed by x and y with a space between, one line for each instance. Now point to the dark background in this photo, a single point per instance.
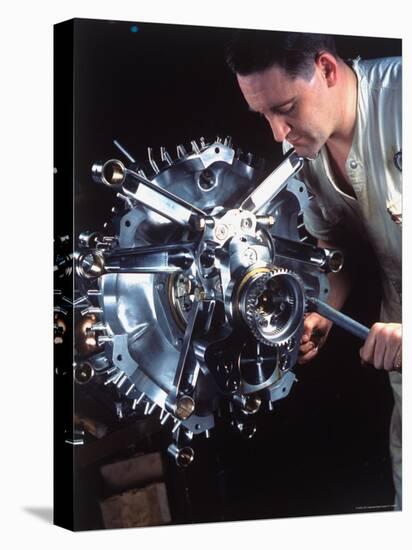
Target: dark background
pixel 324 449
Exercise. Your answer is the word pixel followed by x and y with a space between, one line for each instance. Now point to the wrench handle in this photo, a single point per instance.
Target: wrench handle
pixel 340 319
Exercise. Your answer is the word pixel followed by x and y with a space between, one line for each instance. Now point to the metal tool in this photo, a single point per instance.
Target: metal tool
pixel 339 318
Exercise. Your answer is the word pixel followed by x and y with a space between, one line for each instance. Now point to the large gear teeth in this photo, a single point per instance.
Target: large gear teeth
pixel 255 318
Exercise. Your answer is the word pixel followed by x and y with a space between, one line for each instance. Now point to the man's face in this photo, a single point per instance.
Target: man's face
pixel 300 111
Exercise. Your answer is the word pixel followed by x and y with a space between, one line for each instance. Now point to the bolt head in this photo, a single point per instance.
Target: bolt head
pixel 184 407
pixel 221 232
pixel 246 224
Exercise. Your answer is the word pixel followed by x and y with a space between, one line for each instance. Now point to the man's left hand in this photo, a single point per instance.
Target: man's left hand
pixel 383 347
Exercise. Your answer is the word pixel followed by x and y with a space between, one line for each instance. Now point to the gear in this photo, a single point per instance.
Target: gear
pixel 274 304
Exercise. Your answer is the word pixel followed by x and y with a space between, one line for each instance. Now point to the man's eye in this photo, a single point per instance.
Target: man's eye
pixel 287 111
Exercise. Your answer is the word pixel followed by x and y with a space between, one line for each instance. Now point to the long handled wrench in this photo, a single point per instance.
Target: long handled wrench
pixel 340 319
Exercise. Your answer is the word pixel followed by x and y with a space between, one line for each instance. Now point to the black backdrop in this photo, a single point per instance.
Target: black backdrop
pixel 324 449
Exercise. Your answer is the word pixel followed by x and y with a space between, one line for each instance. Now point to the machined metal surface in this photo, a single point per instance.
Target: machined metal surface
pixel 197 301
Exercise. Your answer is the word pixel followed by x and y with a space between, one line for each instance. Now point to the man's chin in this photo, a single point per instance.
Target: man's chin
pixel 306 151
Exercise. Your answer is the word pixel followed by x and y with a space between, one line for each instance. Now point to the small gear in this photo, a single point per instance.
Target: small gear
pixel 274 306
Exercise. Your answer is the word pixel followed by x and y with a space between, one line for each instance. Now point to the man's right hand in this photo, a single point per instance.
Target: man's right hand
pixel 315 331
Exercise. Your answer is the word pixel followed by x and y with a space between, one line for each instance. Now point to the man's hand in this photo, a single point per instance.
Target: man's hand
pixel 315 331
pixel 316 328
pixel 383 347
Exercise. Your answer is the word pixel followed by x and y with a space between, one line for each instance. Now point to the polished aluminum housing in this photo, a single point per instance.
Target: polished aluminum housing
pixel 201 293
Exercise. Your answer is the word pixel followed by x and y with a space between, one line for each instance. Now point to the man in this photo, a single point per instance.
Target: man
pixel 346 119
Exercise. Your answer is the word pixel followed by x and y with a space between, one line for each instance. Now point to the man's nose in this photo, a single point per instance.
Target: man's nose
pixel 280 128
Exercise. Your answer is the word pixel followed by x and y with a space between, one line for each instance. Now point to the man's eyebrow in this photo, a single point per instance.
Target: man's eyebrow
pixel 283 104
pixel 276 107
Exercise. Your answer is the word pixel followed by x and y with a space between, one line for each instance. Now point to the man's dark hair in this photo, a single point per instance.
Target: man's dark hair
pixel 254 51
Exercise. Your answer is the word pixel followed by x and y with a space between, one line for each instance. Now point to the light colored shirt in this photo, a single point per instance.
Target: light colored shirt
pixel 375 214
pixel 372 168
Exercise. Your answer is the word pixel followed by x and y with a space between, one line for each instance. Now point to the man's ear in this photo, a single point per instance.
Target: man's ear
pixel 327 64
